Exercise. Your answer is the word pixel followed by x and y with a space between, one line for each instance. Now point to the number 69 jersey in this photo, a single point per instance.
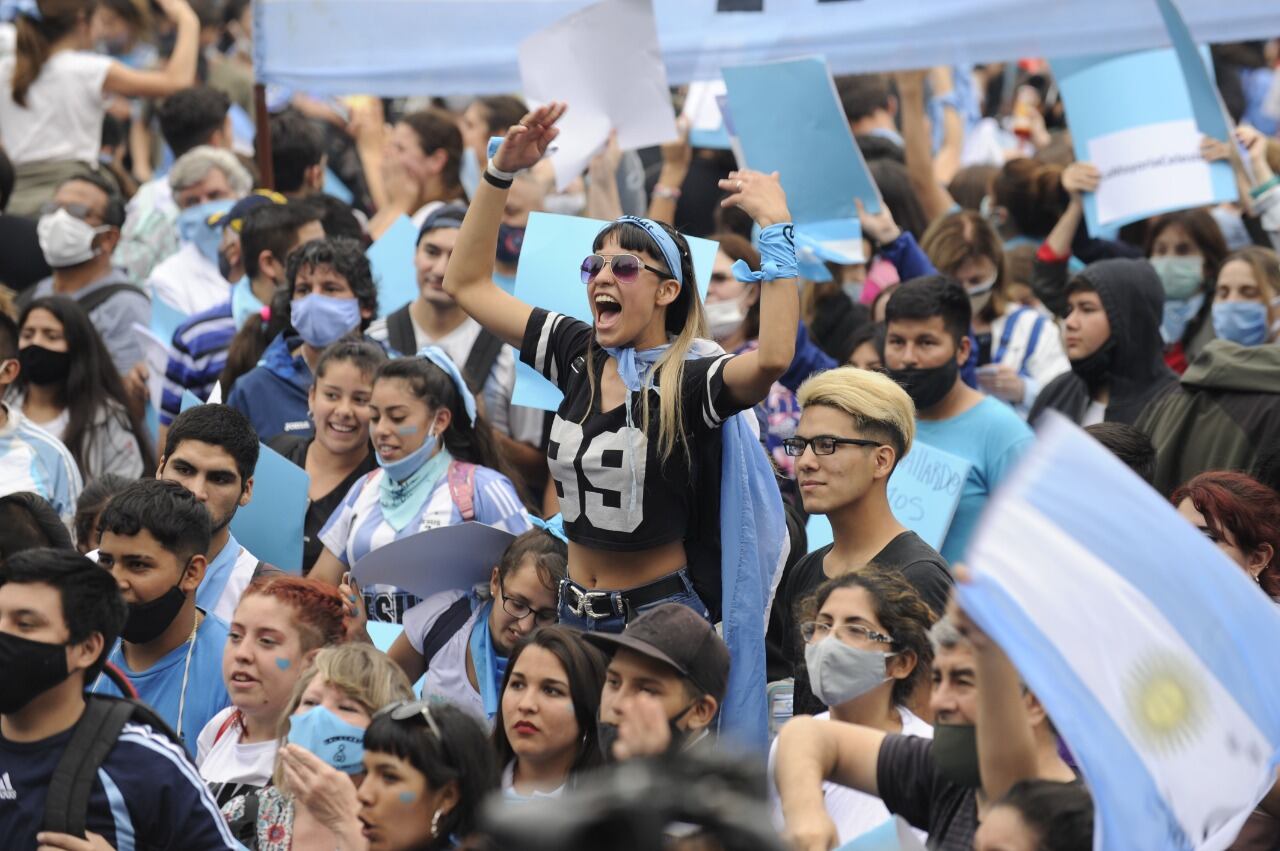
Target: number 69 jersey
pixel 615 492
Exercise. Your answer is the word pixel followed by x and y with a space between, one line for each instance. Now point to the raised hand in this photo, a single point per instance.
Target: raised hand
pixel 878 227
pixel 527 142
pixel 759 194
pixel 1081 177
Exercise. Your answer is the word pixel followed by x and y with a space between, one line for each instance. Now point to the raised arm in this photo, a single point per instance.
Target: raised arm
pixel 918 149
pixel 603 201
pixel 469 278
pixel 676 158
pixel 749 376
pixel 178 73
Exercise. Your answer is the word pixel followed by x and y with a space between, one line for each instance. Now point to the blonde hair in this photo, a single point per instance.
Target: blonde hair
pixel 966 235
pixel 1265 265
pixel 874 400
pixel 365 674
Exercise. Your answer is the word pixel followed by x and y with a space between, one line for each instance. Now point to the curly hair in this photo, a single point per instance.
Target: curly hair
pixel 318 614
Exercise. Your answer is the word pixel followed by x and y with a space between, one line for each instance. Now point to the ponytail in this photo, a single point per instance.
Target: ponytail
pixel 35 36
pixel 1032 193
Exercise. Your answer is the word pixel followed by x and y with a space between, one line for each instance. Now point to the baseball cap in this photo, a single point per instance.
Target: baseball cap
pixel 445 216
pixel 235 216
pixel 675 635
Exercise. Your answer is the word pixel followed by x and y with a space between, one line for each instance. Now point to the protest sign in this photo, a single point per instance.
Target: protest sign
pixel 447 558
pixel 604 61
pixel 787 118
pixel 1149 648
pixel 702 111
pixel 548 277
pixel 165 320
pixel 155 354
pixel 391 261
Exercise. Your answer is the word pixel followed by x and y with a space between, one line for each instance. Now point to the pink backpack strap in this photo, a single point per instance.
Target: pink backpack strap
pixel 462 487
pixel 233 718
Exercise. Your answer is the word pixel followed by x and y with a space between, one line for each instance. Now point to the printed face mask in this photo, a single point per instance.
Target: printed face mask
pixel 339 743
pixel 510 239
pixel 65 240
pixel 980 294
pixel 321 319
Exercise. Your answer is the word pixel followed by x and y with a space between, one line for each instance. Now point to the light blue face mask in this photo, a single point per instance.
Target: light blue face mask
pixel 1177 314
pixel 469 172
pixel 339 743
pixel 322 319
pixel 403 468
pixel 194 227
pixel 1243 322
pixel 243 302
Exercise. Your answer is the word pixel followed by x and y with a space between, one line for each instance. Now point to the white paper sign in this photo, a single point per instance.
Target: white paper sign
pixel 604 61
pixel 1149 169
pixel 155 353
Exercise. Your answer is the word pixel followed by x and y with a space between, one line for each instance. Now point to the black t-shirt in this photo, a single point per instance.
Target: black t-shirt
pixel 598 461
pixel 919 563
pixel 908 782
pixel 294 447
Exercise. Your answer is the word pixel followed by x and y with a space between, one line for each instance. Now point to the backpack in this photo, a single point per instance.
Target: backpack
pixel 66 804
pixel 89 303
pixel 484 351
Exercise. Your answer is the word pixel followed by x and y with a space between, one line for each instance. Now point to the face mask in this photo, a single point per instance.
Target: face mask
pixel 243 302
pixel 148 621
pixel 568 204
pixel 955 753
pixel 224 265
pixel 43 366
pixel 678 735
pixel 469 172
pixel 1243 322
pixel 980 294
pixel 193 226
pixel 1095 369
pixel 323 319
pixel 30 669
pixel 1181 277
pixel 65 240
pixel 724 317
pixel 606 735
pixel 337 742
pixel 510 238
pixel 853 289
pixel 408 465
pixel 1177 315
pixel 927 387
pixel 839 673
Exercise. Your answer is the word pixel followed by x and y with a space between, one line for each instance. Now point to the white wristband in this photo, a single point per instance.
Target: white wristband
pixel 499 173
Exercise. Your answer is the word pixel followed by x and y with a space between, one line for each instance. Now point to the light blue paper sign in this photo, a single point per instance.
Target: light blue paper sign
pixel 384 634
pixel 548 277
pixel 892 835
pixel 271 525
pixel 787 118
pixel 1206 102
pixel 391 259
pixel 334 186
pixel 152 418
pixel 1110 96
pixel 165 320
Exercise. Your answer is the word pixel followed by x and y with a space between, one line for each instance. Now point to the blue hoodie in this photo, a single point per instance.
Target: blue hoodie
pixel 273 395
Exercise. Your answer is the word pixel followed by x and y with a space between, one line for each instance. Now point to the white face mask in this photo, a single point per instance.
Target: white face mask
pixel 65 240
pixel 724 317
pixel 566 204
pixel 980 294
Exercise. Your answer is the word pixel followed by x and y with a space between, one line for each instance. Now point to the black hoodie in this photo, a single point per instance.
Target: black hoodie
pixel 1133 298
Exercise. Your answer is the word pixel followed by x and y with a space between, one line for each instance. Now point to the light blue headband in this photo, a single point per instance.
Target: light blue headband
pixel 437 356
pixel 666 245
pixel 10 9
pixel 553 526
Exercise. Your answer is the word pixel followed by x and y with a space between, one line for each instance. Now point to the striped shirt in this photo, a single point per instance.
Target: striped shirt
pixel 357 527
pixel 196 358
pixel 33 460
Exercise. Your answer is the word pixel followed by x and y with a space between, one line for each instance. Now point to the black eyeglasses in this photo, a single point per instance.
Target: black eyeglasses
pixel 626 267
pixel 823 444
pixel 520 610
pixel 410 710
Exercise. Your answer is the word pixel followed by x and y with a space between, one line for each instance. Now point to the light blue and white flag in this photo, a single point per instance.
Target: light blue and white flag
pixel 1152 652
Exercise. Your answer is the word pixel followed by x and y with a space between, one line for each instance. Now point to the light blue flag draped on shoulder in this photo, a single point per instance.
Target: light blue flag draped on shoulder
pixel 1152 652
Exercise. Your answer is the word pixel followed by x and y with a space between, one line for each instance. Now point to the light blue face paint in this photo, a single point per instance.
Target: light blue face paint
pixel 407 797
pixel 283 664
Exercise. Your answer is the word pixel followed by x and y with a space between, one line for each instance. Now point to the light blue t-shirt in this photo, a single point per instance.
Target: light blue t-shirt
pixel 991 437
pixel 160 686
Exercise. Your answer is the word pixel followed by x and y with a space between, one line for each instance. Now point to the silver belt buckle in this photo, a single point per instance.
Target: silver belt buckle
pixel 581 606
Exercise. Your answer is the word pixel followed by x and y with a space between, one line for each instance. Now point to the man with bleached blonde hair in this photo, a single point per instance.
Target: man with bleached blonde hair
pixel 854 428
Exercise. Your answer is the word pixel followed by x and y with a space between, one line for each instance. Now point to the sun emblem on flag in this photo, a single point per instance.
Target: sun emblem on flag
pixel 1166 701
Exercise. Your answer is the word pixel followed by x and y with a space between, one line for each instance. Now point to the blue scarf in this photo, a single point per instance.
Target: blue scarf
pixel 490 667
pixel 400 501
pixel 753 546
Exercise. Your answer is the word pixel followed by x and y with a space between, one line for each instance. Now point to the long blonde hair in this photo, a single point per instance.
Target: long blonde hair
pixel 685 322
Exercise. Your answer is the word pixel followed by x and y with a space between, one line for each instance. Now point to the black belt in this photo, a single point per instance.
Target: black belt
pixel 598 605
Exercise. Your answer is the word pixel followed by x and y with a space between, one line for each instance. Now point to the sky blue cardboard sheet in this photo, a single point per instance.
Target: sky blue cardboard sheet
pixel 391 258
pixel 165 320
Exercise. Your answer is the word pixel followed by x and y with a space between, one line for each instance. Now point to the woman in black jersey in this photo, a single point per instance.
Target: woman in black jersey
pixel 635 445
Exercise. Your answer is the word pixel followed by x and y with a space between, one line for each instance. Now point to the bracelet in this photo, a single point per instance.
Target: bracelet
pixel 669 192
pixel 777 246
pixel 1262 189
pixel 493 177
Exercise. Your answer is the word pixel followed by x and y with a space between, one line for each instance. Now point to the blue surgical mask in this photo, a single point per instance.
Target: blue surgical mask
pixel 469 172
pixel 1181 277
pixel 322 319
pixel 194 227
pixel 243 302
pixel 1243 322
pixel 405 467
pixel 339 743
pixel 1177 314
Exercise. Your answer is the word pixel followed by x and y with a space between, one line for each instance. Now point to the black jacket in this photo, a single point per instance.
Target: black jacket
pixel 1133 299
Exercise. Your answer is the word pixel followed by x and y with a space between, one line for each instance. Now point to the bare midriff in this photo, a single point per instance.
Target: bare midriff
pixel 610 570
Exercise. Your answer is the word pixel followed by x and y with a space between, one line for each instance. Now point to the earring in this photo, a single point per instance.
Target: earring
pixel 435 824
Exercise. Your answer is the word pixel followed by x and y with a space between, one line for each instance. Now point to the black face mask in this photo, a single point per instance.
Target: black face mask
pixel 927 387
pixel 607 734
pixel 43 366
pixel 955 754
pixel 147 621
pixel 30 669
pixel 224 267
pixel 1095 369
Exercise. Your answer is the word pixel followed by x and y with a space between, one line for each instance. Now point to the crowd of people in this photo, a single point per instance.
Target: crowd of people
pixel 654 652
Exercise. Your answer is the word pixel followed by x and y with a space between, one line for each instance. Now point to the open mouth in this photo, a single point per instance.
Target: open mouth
pixel 341 428
pixel 242 679
pixel 608 311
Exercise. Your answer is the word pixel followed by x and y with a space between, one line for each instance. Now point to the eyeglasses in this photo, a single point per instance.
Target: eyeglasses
pixel 409 710
pixel 626 267
pixel 83 212
pixel 849 633
pixel 520 610
pixel 823 444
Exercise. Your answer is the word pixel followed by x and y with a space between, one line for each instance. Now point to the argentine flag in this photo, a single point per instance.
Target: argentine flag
pixel 1153 653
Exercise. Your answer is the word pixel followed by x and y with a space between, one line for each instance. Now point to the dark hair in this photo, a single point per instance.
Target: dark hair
pixel 861 95
pixel 135 13
pixel 970 185
pixel 437 130
pixel 92 500
pixel 363 355
pixel 296 145
pixel 335 215
pixel 1130 445
pixel 113 211
pixel 550 557
pixel 167 510
pixel 584 667
pixel 1061 813
pixel 461 754
pixel 92 392
pixel 35 37
pixel 347 258
pixel 932 295
pixel 868 332
pixel 8 337
pixel 27 522
pixel 7 179
pixel 190 117
pixel 91 600
pixel 274 228
pixel 632 237
pixel 1032 193
pixel 874 148
pixel 1204 232
pixel 219 426
pixel 1239 505
pixel 502 111
pixel 895 188
pixel 899 608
